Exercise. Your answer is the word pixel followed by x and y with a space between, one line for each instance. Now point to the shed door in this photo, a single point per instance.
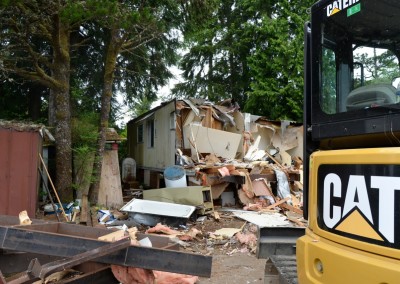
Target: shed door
pixel 19 154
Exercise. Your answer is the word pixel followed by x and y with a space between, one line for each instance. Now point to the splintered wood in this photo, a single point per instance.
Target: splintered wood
pixel 262 186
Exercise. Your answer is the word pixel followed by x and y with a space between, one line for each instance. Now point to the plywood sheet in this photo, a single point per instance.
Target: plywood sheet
pixel 207 140
pixel 19 155
pixel 110 193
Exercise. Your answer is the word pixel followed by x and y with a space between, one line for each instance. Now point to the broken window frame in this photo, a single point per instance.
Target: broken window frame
pixel 172 120
pixel 140 133
pixel 151 130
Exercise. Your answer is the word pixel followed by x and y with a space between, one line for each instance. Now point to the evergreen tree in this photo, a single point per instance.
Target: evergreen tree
pixel 251 51
pixel 35 46
pixel 277 65
pixel 215 67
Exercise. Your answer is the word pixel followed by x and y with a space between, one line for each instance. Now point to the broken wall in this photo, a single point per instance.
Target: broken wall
pixel 282 139
pixel 212 141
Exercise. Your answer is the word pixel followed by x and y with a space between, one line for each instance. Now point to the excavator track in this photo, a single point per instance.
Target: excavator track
pixel 281 269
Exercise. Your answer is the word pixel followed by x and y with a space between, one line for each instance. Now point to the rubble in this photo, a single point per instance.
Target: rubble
pixel 60 239
pixel 140 275
pixel 249 194
pixel 258 186
pixel 239 180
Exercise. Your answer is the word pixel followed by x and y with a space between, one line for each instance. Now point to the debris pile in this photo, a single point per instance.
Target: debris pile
pixel 257 186
pixel 134 257
pixel 140 275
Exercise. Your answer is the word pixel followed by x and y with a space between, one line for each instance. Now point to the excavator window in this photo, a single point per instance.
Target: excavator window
pixel 351 87
pixel 365 75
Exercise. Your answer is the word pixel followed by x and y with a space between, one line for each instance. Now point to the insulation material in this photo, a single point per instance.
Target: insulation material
pixel 131 275
pixel 283 185
pixel 227 232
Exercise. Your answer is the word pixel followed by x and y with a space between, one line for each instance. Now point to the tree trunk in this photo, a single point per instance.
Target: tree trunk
pixel 35 101
pixel 52 109
pixel 113 49
pixel 62 133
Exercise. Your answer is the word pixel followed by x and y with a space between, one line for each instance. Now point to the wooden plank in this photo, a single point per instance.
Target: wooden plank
pixel 291 208
pixel 276 204
pixel 294 220
pixel 84 209
pixel 110 189
pixel 215 179
pixel 154 180
pixel 272 177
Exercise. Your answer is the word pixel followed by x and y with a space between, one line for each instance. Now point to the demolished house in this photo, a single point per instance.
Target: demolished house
pixel 180 128
pixel 238 155
pixel 238 159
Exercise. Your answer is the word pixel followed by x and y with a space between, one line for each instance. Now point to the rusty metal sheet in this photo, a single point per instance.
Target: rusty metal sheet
pixel 79 230
pixel 37 271
pixel 53 241
pixel 89 272
pixel 19 171
pixel 12 262
pixel 99 276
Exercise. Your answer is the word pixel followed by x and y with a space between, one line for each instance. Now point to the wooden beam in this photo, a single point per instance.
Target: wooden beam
pixel 272 177
pixel 292 208
pixel 215 179
pixel 276 204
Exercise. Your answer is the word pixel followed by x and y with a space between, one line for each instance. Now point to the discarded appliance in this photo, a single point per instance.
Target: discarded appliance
pixel 199 196
pixel 175 176
pixel 149 213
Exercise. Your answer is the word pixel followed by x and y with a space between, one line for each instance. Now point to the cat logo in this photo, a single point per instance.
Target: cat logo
pixel 339 5
pixel 355 204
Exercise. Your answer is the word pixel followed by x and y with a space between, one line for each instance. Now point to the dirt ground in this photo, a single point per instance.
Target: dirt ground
pixel 238 268
pixel 233 262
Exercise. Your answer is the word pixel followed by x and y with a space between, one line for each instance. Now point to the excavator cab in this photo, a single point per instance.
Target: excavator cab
pixel 351 143
pixel 354 68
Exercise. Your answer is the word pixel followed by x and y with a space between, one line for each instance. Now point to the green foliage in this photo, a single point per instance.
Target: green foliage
pixel 379 66
pixel 277 64
pixel 216 65
pixel 7 3
pixel 85 131
pixel 328 92
pixel 251 51
pixel 22 101
pixel 84 138
pixel 81 11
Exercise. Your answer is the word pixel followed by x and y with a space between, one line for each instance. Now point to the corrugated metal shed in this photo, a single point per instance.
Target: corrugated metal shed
pixel 20 145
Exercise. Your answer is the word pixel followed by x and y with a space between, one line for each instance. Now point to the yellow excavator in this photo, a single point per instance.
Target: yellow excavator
pixel 352 144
